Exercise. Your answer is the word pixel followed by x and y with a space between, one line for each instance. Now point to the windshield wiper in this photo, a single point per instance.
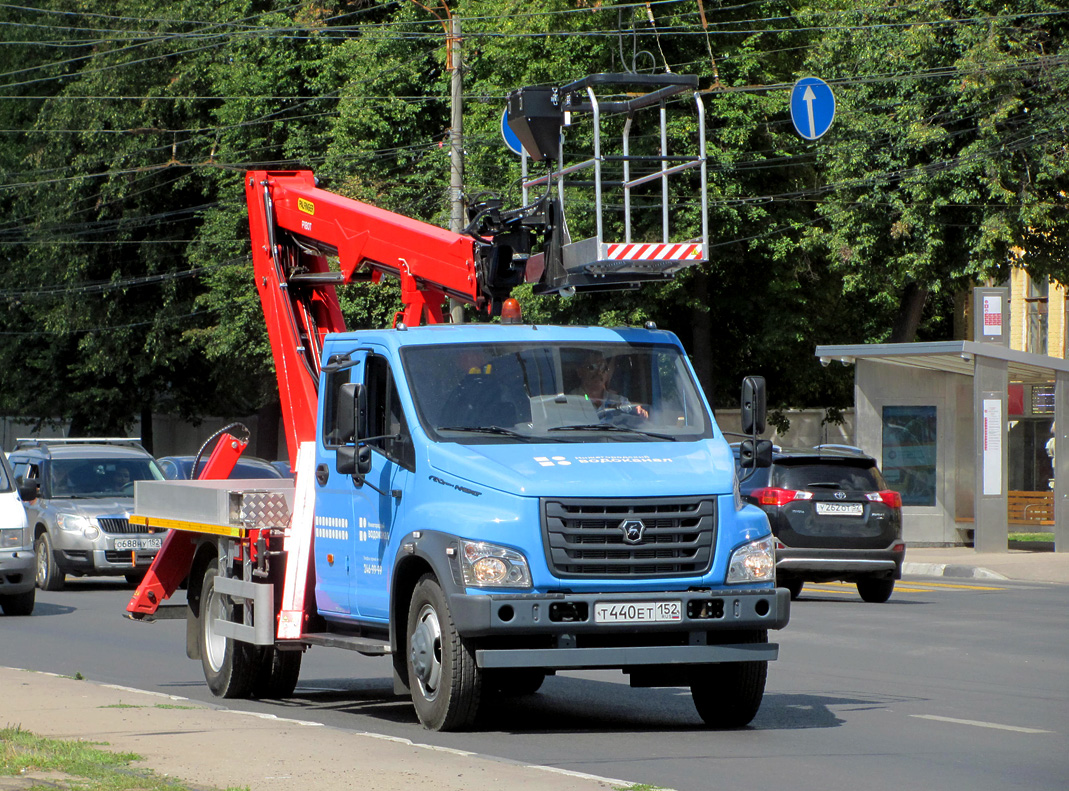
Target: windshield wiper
pixel 504 432
pixel 612 427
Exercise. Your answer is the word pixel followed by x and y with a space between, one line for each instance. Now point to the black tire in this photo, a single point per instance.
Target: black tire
pixel 792 584
pixel 729 694
pixel 49 575
pixel 445 682
pixel 277 674
pixel 229 665
pixel 18 603
pixel 514 683
pixel 876 591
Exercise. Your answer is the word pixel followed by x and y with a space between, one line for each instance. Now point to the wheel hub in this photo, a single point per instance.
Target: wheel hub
pixel 426 652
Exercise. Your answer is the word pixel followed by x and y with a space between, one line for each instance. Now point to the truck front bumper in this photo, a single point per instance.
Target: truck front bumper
pixel 560 631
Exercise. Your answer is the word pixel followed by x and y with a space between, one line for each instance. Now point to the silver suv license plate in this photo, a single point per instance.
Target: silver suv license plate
pixel 138 543
pixel 638 611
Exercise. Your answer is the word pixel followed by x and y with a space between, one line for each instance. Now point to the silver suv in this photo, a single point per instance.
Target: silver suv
pixel 16 548
pixel 80 516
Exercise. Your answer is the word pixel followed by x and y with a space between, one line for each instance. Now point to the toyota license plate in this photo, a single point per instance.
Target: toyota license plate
pixel 638 611
pixel 840 509
pixel 138 543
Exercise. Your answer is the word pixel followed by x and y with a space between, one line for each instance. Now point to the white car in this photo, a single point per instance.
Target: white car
pixel 16 548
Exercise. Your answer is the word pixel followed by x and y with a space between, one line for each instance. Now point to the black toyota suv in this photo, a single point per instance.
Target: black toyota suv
pixel 833 517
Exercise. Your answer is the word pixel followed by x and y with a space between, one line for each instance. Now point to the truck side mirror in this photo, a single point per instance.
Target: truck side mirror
pixel 352 412
pixel 753 405
pixel 353 460
pixel 754 454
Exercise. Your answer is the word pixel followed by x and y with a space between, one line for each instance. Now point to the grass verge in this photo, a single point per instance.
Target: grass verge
pixel 75 765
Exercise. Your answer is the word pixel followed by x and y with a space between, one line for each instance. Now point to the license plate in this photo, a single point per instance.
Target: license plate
pixel 638 611
pixel 138 543
pixel 840 509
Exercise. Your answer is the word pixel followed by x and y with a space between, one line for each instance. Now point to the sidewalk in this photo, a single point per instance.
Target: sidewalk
pixel 204 746
pixel 965 562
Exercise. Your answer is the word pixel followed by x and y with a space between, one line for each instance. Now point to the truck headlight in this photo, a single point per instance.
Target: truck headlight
pixel 11 538
pixel 489 565
pixel 753 562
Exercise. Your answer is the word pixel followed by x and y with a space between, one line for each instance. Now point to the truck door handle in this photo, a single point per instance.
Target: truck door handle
pixel 322 474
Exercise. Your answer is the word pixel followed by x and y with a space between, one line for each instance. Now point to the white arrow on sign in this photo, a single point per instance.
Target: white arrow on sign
pixel 812 107
pixel 809 97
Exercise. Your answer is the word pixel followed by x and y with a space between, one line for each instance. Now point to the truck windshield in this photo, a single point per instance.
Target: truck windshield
pixel 100 477
pixel 497 393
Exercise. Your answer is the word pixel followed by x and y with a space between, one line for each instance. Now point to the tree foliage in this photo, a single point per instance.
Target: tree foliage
pixel 125 134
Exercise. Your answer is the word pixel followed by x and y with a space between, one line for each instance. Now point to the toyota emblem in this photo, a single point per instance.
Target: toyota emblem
pixel 633 530
pixel 840 495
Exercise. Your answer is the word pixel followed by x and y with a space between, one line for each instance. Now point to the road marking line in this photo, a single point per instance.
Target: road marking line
pixel 979 723
pixel 913 587
pixel 953 585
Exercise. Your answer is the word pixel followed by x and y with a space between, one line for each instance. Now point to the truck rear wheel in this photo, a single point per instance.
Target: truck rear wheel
pixel 729 694
pixel 229 665
pixel 277 674
pixel 442 675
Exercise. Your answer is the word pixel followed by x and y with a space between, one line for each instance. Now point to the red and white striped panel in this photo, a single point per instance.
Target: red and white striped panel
pixel 655 252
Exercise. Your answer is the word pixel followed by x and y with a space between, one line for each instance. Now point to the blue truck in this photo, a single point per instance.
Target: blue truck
pixel 487 504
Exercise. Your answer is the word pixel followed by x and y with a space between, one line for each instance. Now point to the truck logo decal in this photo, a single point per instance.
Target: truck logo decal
pixel 552 461
pixel 633 530
pixel 332 527
pixel 456 486
pixel 306 206
pixel 563 461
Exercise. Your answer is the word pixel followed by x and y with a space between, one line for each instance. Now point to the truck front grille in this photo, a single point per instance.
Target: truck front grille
pixel 670 536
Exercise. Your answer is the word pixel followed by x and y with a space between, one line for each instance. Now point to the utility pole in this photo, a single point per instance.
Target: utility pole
pixel 457 219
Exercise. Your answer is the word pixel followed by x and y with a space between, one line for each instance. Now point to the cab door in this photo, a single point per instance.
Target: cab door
pixel 335 525
pixel 379 501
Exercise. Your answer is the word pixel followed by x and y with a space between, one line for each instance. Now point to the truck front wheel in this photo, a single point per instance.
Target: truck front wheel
pixel 442 675
pixel 728 695
pixel 229 665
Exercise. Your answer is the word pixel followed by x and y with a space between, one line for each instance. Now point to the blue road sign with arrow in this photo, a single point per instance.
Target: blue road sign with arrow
pixel 511 140
pixel 812 107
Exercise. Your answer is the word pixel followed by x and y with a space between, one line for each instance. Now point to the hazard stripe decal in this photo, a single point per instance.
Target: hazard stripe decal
pixel 654 252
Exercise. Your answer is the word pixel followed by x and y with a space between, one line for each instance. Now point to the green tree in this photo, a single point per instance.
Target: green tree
pixel 947 153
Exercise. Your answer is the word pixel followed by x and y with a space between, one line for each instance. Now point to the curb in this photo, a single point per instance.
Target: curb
pixel 950 570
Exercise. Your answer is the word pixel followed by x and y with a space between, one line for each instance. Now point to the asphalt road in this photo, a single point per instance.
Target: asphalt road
pixel 948 685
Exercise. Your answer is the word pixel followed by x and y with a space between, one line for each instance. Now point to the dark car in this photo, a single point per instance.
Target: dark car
pixel 284 468
pixel 834 518
pixel 180 468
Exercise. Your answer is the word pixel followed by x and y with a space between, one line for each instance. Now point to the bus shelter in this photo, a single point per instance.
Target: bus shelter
pixel 936 416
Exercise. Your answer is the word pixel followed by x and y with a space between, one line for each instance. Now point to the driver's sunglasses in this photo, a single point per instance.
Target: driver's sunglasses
pixel 592 368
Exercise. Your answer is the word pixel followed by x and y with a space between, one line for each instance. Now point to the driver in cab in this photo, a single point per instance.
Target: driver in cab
pixel 595 372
